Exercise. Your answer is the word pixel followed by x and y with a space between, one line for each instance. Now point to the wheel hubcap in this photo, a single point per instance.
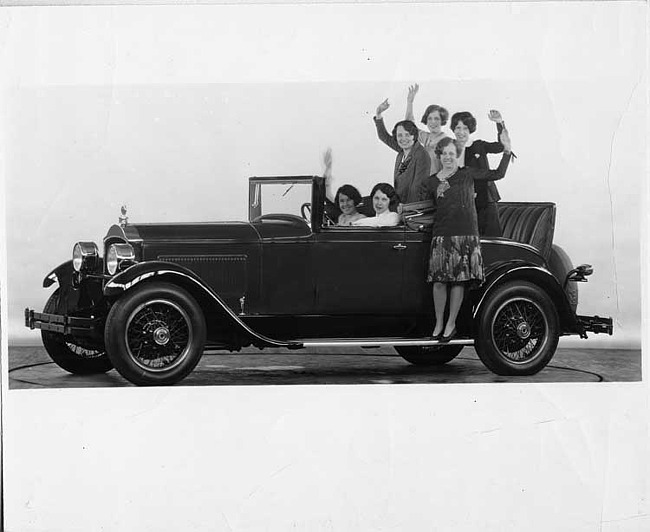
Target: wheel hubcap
pixel 523 330
pixel 161 335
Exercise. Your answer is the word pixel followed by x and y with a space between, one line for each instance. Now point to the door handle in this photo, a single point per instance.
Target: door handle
pixel 399 247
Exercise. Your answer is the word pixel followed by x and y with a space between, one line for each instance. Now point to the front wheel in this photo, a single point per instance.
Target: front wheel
pixel 75 355
pixel 429 356
pixel 518 329
pixel 155 335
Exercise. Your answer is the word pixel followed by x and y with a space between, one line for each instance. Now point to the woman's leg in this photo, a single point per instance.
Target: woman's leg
pixel 439 303
pixel 455 301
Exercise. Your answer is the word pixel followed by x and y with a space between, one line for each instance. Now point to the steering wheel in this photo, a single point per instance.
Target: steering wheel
pixel 305 211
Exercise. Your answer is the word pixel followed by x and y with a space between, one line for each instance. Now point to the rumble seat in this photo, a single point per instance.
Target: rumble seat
pixel 529 223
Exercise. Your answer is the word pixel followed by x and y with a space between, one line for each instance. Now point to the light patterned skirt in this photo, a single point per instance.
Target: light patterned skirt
pixel 455 259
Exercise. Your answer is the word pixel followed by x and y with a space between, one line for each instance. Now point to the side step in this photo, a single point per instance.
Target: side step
pixel 375 342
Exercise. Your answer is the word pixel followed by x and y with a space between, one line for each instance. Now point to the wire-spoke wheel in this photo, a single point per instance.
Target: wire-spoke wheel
pixel 518 330
pixel 156 334
pixel 75 355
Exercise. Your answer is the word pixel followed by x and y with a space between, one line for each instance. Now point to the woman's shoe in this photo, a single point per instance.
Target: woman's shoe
pixel 445 339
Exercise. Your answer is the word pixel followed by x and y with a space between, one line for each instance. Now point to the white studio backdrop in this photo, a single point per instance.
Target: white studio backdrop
pixel 170 109
pixel 179 152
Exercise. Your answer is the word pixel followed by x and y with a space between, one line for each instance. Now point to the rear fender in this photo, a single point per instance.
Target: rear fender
pixel 207 298
pixel 533 274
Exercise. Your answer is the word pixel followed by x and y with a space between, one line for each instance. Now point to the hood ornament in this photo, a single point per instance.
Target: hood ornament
pixel 123 217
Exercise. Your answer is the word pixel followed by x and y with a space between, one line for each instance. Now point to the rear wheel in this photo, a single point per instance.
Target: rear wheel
pixel 518 330
pixel 155 335
pixel 75 355
pixel 429 356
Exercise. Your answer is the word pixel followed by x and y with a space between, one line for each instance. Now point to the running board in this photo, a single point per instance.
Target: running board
pixel 375 342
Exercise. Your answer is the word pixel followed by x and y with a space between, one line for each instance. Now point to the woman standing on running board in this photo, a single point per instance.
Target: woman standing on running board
pixel 434 118
pixel 455 260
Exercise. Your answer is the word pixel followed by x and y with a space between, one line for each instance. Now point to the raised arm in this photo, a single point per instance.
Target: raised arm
pixel 382 133
pixel 413 90
pixel 495 147
pixel 424 134
pixel 327 174
pixel 500 172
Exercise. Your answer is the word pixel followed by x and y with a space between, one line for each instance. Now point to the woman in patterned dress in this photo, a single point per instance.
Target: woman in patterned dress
pixel 455 247
pixel 434 118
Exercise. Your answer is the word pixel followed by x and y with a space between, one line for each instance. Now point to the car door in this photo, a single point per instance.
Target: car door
pixel 418 298
pixel 359 270
pixel 286 279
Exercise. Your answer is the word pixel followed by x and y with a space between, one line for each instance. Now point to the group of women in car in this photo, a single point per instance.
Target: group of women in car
pixel 452 172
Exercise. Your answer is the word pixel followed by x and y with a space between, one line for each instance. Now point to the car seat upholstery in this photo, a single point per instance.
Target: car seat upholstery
pixel 529 223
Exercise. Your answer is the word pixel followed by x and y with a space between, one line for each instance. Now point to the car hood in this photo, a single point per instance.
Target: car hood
pixel 165 232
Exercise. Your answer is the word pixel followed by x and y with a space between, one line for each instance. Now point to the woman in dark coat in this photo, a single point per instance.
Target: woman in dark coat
pixel 455 246
pixel 412 163
pixel 474 155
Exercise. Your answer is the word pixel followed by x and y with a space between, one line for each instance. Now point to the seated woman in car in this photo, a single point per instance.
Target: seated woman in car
pixel 384 202
pixel 348 198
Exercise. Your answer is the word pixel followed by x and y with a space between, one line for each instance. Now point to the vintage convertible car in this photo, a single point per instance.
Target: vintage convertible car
pixel 160 294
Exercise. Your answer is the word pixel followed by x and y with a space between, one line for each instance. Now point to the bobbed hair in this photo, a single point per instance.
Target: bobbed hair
pixel 446 142
pixel 444 114
pixel 409 126
pixel 349 191
pixel 466 118
pixel 389 190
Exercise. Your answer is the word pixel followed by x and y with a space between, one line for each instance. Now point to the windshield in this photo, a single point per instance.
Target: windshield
pixel 279 197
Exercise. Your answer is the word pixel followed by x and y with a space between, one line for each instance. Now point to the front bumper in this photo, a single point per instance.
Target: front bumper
pixel 60 324
pixel 595 324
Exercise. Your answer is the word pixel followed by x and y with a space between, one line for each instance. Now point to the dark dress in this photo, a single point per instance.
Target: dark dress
pixel 409 175
pixel 487 193
pixel 455 246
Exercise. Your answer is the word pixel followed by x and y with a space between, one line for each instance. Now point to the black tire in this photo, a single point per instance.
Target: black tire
pixel 429 356
pixel 560 264
pixel 74 355
pixel 155 334
pixel 518 329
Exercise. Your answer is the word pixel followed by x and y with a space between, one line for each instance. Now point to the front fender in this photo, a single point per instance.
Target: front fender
pixel 59 274
pixel 518 271
pixel 181 276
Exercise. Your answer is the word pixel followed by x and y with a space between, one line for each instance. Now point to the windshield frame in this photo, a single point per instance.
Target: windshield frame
pixel 317 184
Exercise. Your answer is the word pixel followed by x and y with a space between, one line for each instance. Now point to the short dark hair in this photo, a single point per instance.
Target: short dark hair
pixel 444 114
pixel 349 191
pixel 446 142
pixel 409 126
pixel 466 118
pixel 389 190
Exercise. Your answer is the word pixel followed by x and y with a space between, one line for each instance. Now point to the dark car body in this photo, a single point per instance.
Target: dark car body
pixel 290 278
